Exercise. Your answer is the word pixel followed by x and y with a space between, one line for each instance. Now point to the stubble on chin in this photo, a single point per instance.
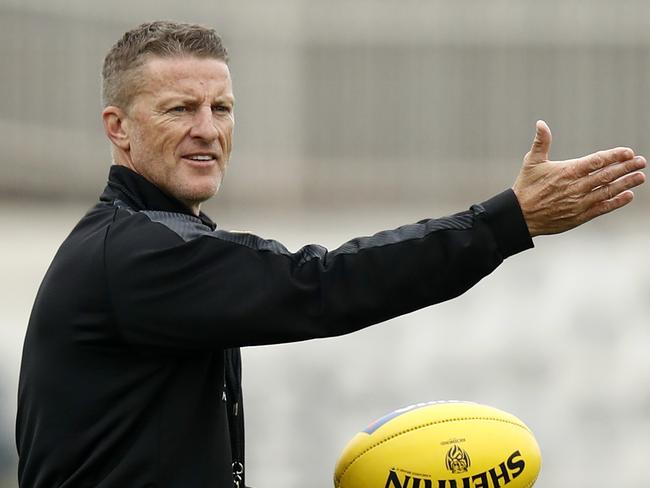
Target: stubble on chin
pixel 193 196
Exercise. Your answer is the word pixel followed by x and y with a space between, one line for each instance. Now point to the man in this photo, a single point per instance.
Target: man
pixel 131 367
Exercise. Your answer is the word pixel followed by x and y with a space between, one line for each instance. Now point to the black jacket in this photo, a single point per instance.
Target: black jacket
pixel 131 368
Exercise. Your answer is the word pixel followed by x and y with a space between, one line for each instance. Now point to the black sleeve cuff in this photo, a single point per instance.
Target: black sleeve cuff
pixel 503 214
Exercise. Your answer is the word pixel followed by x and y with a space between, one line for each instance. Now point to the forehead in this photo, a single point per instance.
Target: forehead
pixel 186 76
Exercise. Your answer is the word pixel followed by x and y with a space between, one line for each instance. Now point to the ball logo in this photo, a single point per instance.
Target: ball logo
pixel 457 460
pixel 499 476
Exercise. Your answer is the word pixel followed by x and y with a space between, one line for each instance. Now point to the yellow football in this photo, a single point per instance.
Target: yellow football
pixel 441 445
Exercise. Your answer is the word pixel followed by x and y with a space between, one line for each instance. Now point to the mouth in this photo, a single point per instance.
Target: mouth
pixel 200 159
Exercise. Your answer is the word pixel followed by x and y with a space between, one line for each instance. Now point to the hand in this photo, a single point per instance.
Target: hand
pixel 556 196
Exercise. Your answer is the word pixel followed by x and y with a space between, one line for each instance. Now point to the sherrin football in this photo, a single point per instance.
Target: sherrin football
pixel 441 445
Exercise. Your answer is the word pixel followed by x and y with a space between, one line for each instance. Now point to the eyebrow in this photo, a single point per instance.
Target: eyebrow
pixel 172 99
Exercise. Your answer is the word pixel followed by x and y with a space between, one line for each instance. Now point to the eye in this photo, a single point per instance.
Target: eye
pixel 178 109
pixel 221 109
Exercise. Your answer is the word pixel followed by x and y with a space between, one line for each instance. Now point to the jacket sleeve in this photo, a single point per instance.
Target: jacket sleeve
pixel 186 288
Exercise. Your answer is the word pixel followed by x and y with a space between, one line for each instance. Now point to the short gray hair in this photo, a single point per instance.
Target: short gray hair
pixel 159 38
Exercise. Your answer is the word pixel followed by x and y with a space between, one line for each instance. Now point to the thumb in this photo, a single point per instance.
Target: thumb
pixel 541 144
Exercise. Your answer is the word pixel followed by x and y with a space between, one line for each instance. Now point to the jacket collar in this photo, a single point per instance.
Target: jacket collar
pixel 138 193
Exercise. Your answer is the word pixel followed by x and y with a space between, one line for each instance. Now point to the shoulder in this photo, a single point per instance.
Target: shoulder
pixel 155 228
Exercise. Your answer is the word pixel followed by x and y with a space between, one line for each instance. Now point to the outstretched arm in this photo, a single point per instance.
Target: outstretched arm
pixel 556 196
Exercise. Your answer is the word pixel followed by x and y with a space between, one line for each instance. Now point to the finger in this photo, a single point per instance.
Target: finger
pixel 541 144
pixel 610 205
pixel 610 173
pixel 614 189
pixel 598 160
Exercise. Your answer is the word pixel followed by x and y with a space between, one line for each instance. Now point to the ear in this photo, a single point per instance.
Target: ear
pixel 116 127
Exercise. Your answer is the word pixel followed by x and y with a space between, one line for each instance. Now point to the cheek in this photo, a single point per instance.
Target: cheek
pixel 145 139
pixel 227 132
pixel 139 146
pixel 164 140
pixel 153 150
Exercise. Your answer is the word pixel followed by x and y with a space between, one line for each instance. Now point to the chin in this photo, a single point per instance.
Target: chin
pixel 201 194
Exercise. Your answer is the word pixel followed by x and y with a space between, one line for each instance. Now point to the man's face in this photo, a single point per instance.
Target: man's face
pixel 180 126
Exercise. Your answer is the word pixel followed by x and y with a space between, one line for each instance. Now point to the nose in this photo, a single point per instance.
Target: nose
pixel 204 125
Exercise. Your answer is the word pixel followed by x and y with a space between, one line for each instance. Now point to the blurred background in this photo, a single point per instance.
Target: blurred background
pixel 352 117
